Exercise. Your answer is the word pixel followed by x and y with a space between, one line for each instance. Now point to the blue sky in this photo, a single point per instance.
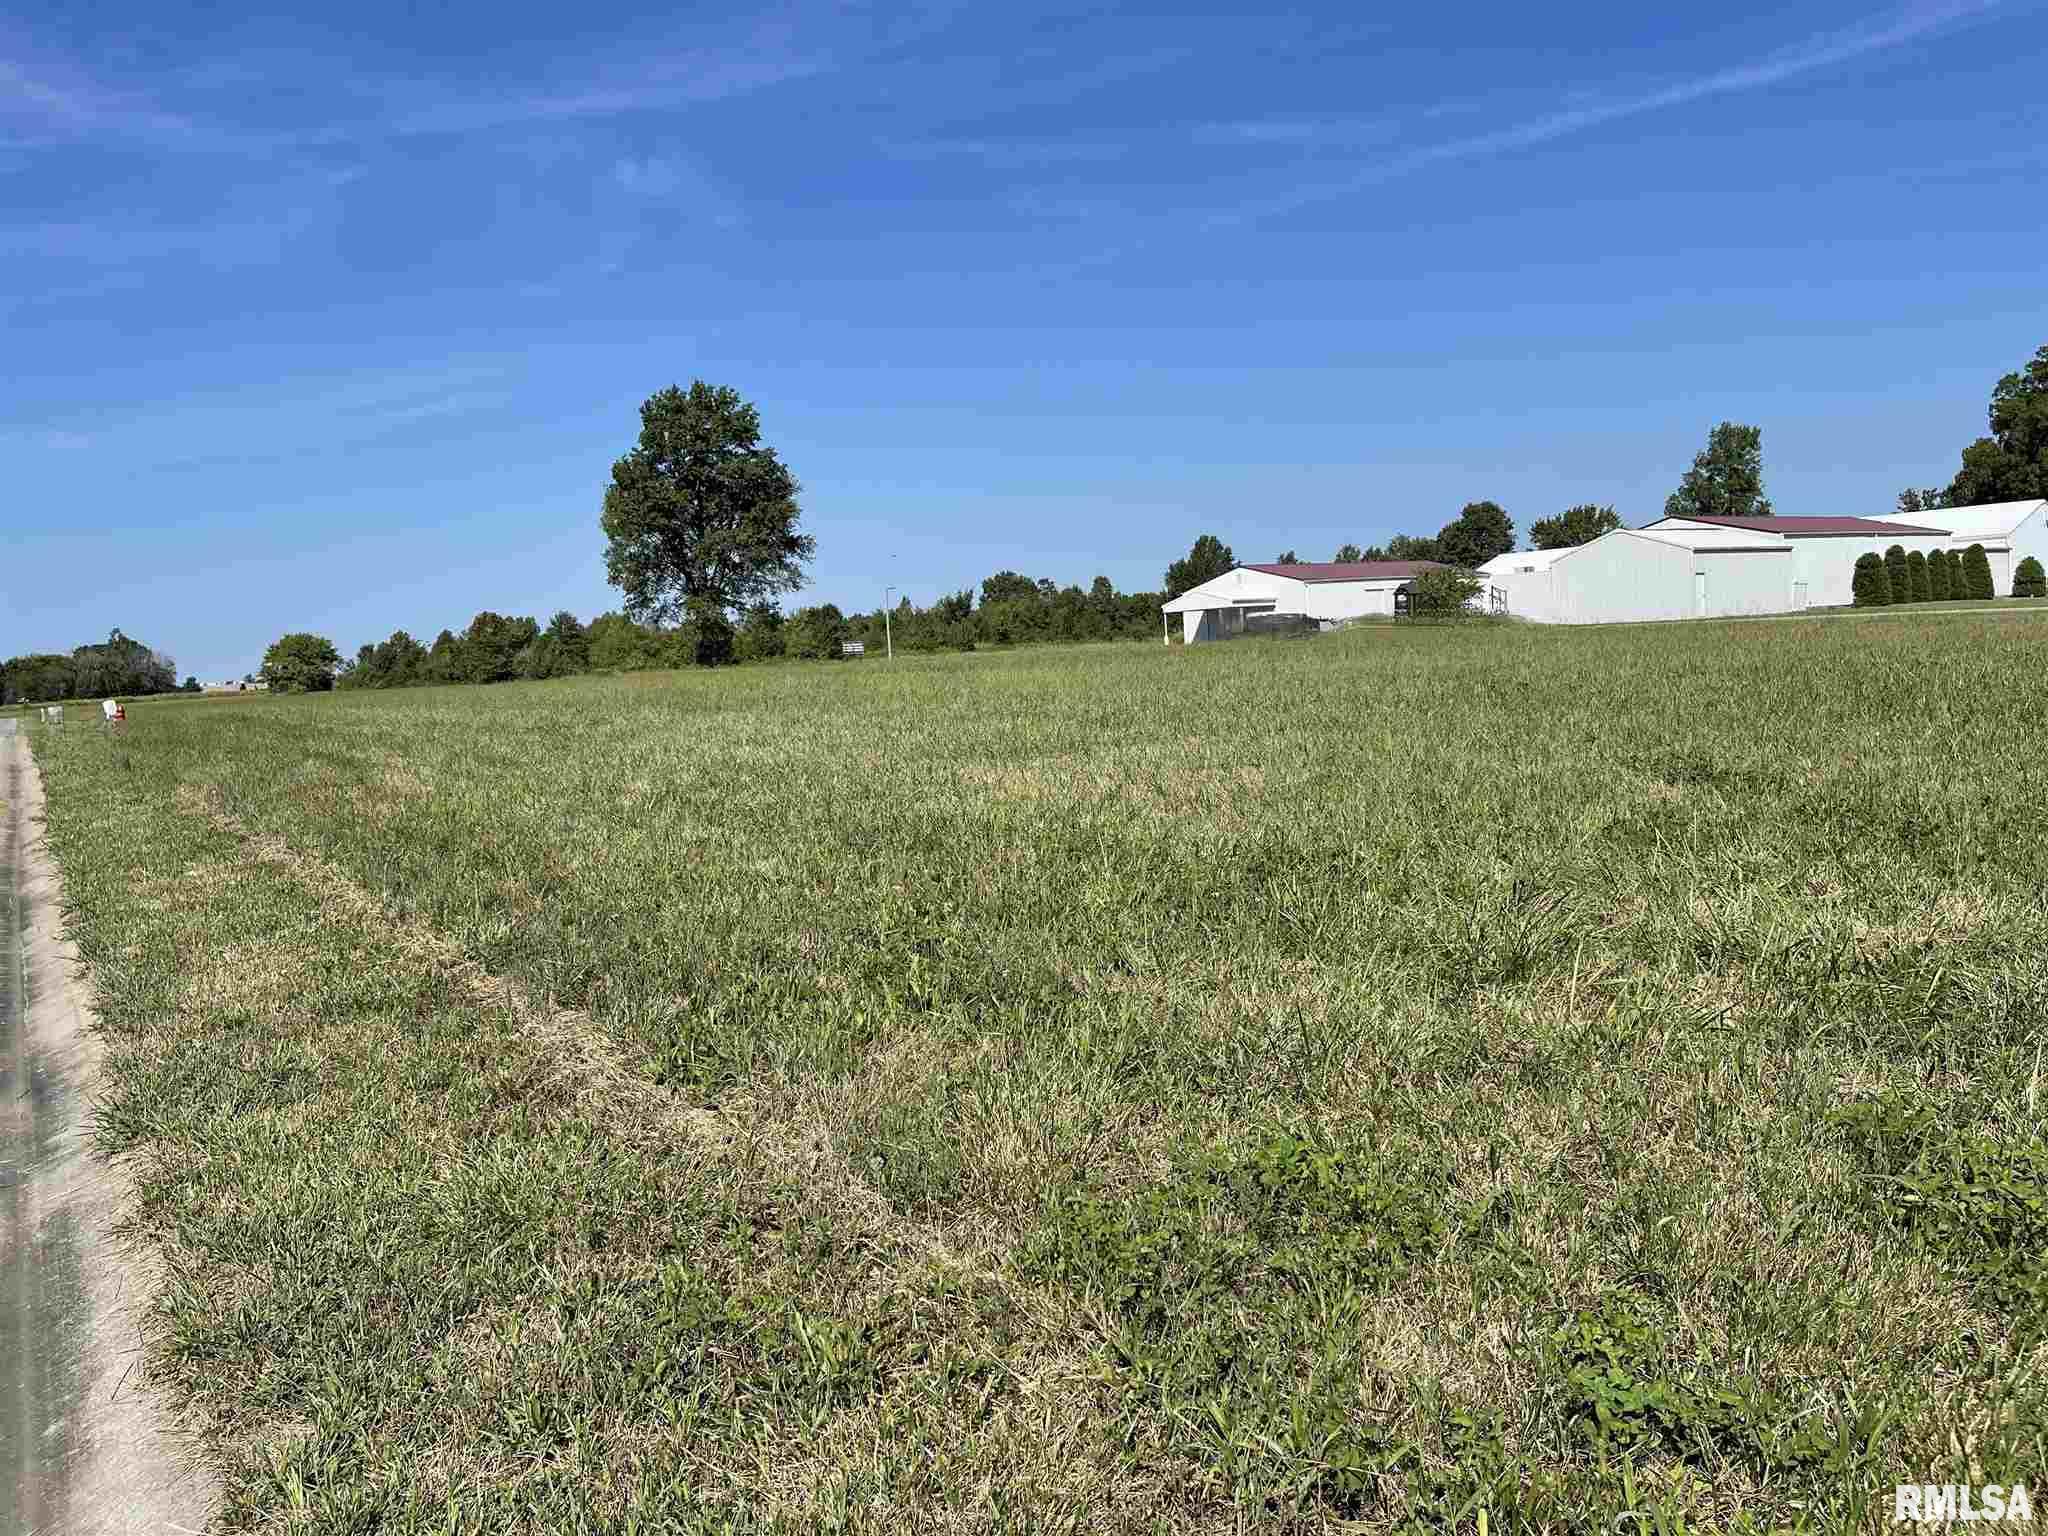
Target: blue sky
pixel 339 324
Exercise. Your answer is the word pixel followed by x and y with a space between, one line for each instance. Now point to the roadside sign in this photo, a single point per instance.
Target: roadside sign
pixel 854 648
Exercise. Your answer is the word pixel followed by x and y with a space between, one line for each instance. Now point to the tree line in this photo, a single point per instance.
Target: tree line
pixel 494 648
pixel 119 668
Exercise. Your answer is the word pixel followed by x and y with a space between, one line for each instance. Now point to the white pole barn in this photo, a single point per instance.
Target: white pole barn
pixel 1321 593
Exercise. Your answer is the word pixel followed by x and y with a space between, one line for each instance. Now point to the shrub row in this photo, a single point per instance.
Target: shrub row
pixel 1939 576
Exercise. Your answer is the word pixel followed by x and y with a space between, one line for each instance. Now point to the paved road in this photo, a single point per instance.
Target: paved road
pixel 83 1452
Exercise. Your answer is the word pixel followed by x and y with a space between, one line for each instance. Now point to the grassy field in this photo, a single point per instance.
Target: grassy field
pixel 1362 1083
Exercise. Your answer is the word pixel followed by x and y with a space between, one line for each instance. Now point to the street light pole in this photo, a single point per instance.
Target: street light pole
pixel 888 630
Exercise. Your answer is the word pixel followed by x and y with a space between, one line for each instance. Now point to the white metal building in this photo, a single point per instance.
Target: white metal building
pixel 1703 567
pixel 2009 531
pixel 1825 549
pixel 1323 593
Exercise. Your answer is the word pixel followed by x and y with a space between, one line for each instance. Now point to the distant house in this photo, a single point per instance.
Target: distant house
pixel 1321 594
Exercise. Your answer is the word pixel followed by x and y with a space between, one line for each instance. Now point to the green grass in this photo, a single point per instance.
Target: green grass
pixel 1292 1085
pixel 1946 605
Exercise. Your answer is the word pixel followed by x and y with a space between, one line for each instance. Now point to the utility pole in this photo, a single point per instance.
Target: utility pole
pixel 888 630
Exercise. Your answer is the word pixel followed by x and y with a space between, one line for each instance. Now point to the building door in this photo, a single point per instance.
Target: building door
pixel 1798 596
pixel 1699 593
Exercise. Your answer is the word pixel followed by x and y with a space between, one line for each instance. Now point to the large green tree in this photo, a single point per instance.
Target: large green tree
pixel 1443 591
pixel 300 663
pixel 1726 478
pixel 491 647
pixel 700 514
pixel 1007 586
pixel 571 643
pixel 1406 546
pixel 1209 558
pixel 817 634
pixel 1478 533
pixel 39 678
pixel 1573 526
pixel 120 666
pixel 2012 463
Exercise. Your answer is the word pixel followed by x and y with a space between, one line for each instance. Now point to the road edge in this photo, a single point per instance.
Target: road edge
pixel 125 1464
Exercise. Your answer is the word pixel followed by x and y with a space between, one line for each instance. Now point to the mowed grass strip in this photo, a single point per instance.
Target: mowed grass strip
pixel 428 1267
pixel 1356 1082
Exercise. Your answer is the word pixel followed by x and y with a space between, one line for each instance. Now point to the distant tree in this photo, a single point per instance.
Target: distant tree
pixel 42 678
pixel 1977 573
pixel 1007 586
pixel 192 685
pixel 572 643
pixel 1443 590
pixel 760 637
pixel 1895 574
pixel 1404 546
pixel 710 634
pixel 120 666
pixel 539 658
pixel 1726 478
pixel 1347 554
pixel 357 673
pixel 1102 599
pixel 955 607
pixel 700 510
pixel 402 660
pixel 1871 586
pixel 2012 463
pixel 444 659
pixel 491 647
pixel 1290 558
pixel 1573 526
pixel 617 644
pixel 1938 589
pixel 1478 533
pixel 300 663
pixel 1209 558
pixel 816 634
pixel 1916 575
pixel 1927 499
pixel 2029 580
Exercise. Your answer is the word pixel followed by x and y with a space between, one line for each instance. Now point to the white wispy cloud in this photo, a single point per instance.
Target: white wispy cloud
pixel 1308 132
pixel 46 100
pixel 1597 109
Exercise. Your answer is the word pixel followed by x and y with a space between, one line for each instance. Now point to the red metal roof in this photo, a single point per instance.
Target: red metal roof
pixel 1351 570
pixel 1794 527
